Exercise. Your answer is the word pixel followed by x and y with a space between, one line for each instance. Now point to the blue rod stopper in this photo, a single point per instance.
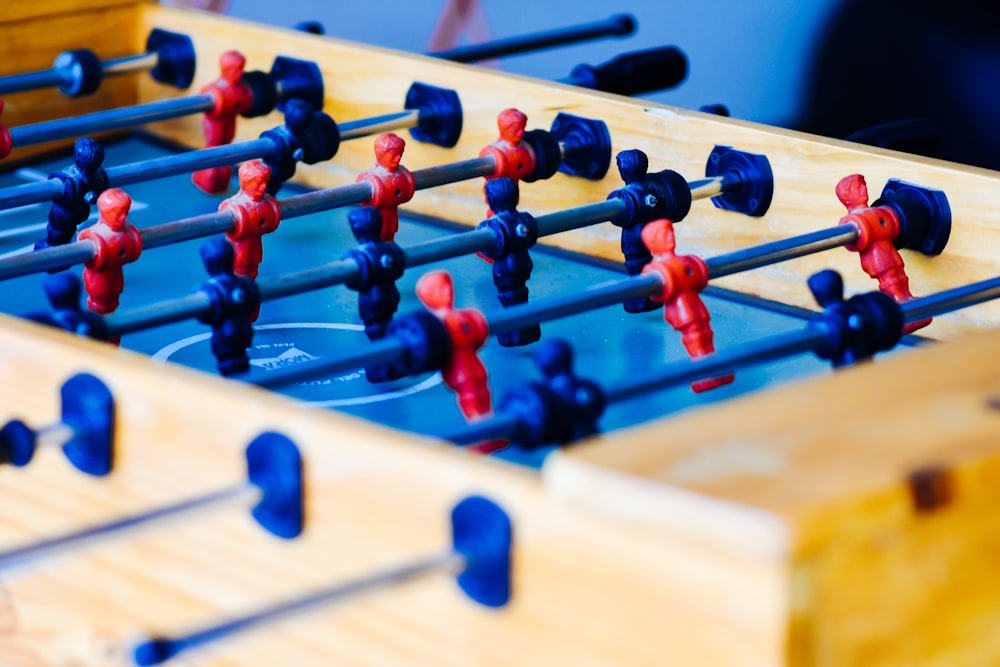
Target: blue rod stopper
pixel 481 532
pixel 274 465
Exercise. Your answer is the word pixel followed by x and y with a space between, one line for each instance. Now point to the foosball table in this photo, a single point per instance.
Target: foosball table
pixel 598 493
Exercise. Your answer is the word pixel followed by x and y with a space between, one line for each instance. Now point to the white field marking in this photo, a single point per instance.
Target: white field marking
pixel 163 355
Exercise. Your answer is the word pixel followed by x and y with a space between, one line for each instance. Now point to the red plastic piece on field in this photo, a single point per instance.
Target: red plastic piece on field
pixel 255 213
pixel 464 373
pixel 514 158
pixel 6 143
pixel 684 277
pixel 232 96
pixel 392 184
pixel 116 243
pixel 878 228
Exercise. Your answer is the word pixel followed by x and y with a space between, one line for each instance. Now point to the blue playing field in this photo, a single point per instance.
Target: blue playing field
pixel 609 343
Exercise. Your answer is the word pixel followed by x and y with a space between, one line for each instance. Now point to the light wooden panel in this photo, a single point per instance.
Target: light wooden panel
pixel 588 591
pixel 20 10
pixel 365 81
pixel 833 460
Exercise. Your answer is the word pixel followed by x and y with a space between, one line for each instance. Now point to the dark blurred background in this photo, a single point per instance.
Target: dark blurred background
pixel 930 69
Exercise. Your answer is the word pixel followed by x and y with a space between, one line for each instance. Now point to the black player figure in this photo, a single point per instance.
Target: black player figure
pixel 633 165
pixel 581 401
pixel 292 138
pixel 515 233
pixel 63 290
pixel 235 303
pixel 380 264
pixel 857 327
pixel 82 182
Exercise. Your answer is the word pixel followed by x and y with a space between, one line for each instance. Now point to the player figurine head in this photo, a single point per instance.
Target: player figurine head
pixel 512 123
pixel 217 256
pixel 114 206
pixel 231 63
pixel 632 165
pixel 88 154
pixel 502 194
pixel 366 224
pixel 852 191
pixel 436 290
pixel 254 176
pixel 554 358
pixel 63 291
pixel 658 237
pixel 389 150
pixel 298 113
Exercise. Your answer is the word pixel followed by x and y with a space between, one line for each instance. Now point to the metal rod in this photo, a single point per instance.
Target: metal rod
pixel 446 247
pixel 324 200
pixel 617 25
pixel 551 308
pixel 290 284
pixel 949 300
pixel 157 314
pixel 780 251
pixel 54 435
pixel 54 76
pixel 710 187
pixel 500 426
pixel 137 63
pixel 478 240
pixel 111 119
pixel 31 193
pixel 189 161
pixel 186 229
pixel 159 650
pixel 46 78
pixel 46 259
pixel 454 172
pixel 688 370
pixel 243 493
pixel 400 120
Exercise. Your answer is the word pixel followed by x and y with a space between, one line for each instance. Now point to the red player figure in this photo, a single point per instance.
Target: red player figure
pixel 514 158
pixel 464 373
pixel 684 277
pixel 255 213
pixel 6 143
pixel 232 96
pixel 116 243
pixel 391 183
pixel 878 227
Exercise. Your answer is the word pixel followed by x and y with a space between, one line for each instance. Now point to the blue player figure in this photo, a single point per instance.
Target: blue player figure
pixel 380 264
pixel 63 290
pixel 582 401
pixel 82 182
pixel 235 303
pixel 633 165
pixel 514 233
pixel 292 138
pixel 857 327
